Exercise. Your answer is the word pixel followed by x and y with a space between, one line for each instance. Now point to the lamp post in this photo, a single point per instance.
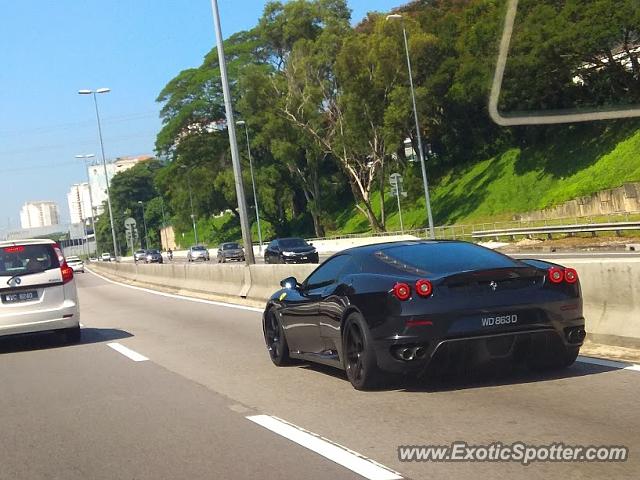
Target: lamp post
pixel 164 244
pixel 427 198
pixel 231 128
pixel 104 160
pixel 193 217
pixel 93 223
pixel 253 183
pixel 144 222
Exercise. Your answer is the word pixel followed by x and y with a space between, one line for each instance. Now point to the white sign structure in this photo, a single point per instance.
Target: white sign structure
pixel 395 179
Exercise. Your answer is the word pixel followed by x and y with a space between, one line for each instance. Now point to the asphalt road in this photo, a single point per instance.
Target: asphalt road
pixel 88 411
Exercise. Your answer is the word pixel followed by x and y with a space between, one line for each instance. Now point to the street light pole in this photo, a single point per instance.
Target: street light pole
pixel 164 244
pixel 144 222
pixel 231 127
pixel 93 222
pixel 104 162
pixel 427 198
pixel 193 217
pixel 253 183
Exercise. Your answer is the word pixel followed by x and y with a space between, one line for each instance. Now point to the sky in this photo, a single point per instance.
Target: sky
pixel 49 50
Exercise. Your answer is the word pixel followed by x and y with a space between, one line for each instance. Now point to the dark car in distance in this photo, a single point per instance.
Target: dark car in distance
pixel 153 256
pixel 409 308
pixel 290 250
pixel 230 252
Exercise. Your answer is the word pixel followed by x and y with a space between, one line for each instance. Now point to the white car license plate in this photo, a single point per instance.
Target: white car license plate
pixel 18 297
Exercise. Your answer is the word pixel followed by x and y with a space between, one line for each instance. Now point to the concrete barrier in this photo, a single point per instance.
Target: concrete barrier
pixel 611 293
pixel 226 280
pixel 610 288
pixel 265 279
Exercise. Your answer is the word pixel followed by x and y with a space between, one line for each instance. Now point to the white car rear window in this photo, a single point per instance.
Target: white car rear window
pixel 19 259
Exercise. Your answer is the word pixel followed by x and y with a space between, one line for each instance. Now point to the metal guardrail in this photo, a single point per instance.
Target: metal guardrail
pixel 557 229
pixel 462 231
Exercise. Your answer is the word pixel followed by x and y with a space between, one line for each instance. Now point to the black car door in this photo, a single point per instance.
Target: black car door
pixel 303 323
pixel 333 302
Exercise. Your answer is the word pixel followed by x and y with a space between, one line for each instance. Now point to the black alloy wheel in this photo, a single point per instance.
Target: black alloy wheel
pixel 359 357
pixel 275 339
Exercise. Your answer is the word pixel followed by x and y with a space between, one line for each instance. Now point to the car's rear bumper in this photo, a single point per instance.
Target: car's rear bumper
pixel 67 316
pixel 510 346
pixel 313 258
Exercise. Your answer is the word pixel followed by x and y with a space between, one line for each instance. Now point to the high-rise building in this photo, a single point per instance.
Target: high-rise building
pixel 79 202
pixel 39 214
pixel 98 182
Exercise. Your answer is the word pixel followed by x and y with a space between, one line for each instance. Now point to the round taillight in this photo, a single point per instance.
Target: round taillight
pixel 402 291
pixel 424 288
pixel 556 275
pixel 570 275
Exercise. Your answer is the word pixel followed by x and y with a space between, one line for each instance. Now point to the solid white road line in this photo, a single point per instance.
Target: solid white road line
pixel 179 297
pixel 609 363
pixel 127 352
pixel 336 453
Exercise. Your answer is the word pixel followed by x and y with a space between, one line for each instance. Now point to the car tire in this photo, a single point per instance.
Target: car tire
pixel 72 335
pixel 275 339
pixel 359 357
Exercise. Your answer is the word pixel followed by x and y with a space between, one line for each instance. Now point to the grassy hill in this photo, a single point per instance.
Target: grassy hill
pixel 575 162
pixel 565 164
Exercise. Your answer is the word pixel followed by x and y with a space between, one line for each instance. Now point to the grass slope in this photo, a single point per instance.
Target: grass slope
pixel 579 162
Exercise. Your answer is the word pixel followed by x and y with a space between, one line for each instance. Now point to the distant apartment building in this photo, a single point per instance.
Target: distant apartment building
pixel 79 202
pixel 99 183
pixel 39 214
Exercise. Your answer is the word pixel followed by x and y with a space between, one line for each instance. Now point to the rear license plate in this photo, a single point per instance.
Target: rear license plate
pixel 499 320
pixel 18 297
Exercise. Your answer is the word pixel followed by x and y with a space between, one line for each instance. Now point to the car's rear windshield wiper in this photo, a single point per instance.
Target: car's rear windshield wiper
pixel 18 275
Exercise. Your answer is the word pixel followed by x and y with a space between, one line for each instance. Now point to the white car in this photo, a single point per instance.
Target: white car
pixel 37 290
pixel 76 264
pixel 105 257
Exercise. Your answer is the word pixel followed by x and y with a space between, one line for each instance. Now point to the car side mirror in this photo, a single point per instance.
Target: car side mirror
pixel 290 282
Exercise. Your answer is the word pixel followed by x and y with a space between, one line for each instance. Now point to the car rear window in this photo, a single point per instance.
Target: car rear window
pixel 19 259
pixel 443 258
pixel 230 246
pixel 198 248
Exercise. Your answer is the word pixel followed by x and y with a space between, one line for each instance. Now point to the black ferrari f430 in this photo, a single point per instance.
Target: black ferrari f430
pixel 411 307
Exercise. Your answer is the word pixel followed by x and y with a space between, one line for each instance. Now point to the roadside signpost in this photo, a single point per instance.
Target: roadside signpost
pixel 397 190
pixel 131 232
